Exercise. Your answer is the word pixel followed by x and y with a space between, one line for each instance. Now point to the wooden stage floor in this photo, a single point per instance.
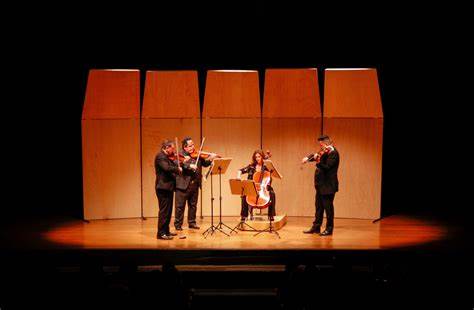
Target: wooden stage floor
pixel 349 234
pixel 68 241
pixel 73 256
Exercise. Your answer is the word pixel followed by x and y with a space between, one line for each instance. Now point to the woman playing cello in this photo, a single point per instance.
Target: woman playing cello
pixel 259 173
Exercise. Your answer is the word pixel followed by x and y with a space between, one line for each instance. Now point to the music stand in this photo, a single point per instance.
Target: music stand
pixel 219 166
pixel 274 173
pixel 242 188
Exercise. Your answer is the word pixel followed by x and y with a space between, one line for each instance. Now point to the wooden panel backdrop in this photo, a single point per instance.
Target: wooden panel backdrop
pixel 170 109
pixel 111 145
pixel 353 118
pixel 231 125
pixel 291 124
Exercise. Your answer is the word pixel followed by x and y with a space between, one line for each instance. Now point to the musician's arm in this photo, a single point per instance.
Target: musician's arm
pixel 310 157
pixel 243 170
pixel 330 162
pixel 164 165
pixel 205 162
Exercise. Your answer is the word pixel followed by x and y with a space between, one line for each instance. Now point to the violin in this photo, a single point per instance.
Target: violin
pixel 174 157
pixel 321 152
pixel 203 155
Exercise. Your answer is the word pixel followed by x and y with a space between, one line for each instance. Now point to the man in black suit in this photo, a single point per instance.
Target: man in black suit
pixel 187 185
pixel 166 171
pixel 326 184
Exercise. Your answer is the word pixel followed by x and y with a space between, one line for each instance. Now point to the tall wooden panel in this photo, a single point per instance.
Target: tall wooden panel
pixel 111 145
pixel 231 125
pixel 170 109
pixel 353 118
pixel 291 125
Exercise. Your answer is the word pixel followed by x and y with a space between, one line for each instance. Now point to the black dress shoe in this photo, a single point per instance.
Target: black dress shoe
pixel 178 228
pixel 164 237
pixel 312 230
pixel 172 234
pixel 193 226
pixel 326 233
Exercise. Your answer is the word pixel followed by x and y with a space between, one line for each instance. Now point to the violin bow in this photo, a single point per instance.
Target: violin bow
pixel 177 150
pixel 200 149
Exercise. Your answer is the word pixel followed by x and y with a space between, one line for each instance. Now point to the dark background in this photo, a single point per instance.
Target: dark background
pixel 419 52
pixel 416 64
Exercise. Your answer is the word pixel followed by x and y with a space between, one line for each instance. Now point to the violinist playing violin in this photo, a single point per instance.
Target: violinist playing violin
pixel 188 183
pixel 166 169
pixel 326 184
pixel 255 168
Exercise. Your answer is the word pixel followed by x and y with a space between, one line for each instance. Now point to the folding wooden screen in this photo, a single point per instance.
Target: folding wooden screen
pixel 353 118
pixel 111 145
pixel 231 125
pixel 170 109
pixel 291 125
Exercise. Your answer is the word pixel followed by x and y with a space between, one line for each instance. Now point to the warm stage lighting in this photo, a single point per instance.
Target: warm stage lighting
pixel 350 234
pixel 234 70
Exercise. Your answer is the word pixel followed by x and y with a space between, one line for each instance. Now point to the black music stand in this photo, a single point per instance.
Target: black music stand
pixel 219 166
pixel 274 173
pixel 242 188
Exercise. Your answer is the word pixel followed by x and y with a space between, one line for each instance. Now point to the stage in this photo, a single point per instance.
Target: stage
pixel 121 261
pixel 135 239
pixel 349 234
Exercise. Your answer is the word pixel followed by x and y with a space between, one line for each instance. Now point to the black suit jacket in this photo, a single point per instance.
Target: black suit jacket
pixel 166 171
pixel 183 180
pixel 325 176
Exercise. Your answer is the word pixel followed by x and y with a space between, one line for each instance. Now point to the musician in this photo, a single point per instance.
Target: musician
pixel 188 183
pixel 255 166
pixel 166 170
pixel 326 184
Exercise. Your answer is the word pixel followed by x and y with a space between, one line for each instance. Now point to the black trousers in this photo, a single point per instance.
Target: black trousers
pixel 190 195
pixel 244 211
pixel 165 204
pixel 324 203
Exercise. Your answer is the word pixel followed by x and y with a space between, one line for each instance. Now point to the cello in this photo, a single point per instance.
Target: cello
pixel 262 179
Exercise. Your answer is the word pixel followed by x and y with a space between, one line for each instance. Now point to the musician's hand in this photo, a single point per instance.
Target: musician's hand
pixel 212 157
pixel 186 159
pixel 193 166
pixel 239 173
pixel 180 170
pixel 304 160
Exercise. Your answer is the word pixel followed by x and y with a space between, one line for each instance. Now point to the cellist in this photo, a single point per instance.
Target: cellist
pixel 256 166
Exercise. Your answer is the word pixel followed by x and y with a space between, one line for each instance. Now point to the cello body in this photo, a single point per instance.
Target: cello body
pixel 262 200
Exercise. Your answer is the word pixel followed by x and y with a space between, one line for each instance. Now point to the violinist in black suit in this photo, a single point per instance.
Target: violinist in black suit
pixel 256 166
pixel 166 169
pixel 188 183
pixel 326 184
